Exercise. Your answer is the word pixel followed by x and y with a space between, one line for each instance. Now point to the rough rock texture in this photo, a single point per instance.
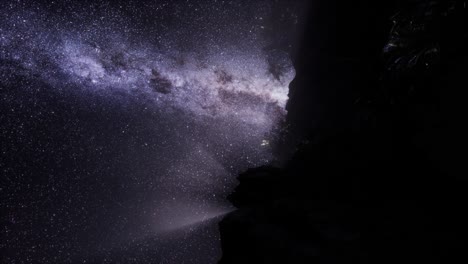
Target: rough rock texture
pixel 378 178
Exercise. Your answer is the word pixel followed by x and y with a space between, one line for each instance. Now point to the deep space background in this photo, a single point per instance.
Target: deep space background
pixel 124 123
pixel 233 132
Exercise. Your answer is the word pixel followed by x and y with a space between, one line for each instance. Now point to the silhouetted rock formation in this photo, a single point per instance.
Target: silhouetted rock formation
pixel 377 107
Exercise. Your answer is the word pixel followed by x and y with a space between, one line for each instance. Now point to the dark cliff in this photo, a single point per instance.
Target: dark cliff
pixel 378 177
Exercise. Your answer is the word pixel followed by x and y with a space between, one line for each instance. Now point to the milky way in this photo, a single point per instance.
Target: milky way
pixel 123 125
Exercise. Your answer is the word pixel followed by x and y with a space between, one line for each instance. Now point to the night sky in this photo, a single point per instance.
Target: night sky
pixel 124 124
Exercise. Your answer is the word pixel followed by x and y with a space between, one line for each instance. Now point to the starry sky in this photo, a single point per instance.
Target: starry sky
pixel 123 124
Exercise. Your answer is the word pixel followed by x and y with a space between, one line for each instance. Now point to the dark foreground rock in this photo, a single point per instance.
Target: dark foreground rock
pixel 378 108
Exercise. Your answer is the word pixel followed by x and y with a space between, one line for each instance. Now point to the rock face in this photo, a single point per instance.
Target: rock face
pixel 376 107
